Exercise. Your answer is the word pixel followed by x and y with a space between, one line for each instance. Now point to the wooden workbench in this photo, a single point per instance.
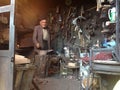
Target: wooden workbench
pixel 106 67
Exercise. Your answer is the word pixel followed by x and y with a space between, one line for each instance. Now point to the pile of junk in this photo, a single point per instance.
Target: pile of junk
pixel 87 41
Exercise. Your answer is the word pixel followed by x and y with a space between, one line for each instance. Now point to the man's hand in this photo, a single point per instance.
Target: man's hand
pixel 38 45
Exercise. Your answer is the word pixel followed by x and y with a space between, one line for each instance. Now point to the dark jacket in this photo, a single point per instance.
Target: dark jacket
pixel 38 37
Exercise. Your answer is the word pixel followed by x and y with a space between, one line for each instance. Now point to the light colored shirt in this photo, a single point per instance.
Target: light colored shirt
pixel 45 34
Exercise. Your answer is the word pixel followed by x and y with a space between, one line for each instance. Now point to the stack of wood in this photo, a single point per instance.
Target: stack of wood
pixel 19 59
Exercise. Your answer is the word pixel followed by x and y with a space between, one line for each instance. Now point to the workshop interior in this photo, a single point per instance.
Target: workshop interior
pixel 84 40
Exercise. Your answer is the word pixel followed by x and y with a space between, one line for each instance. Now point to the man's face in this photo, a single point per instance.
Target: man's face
pixel 43 23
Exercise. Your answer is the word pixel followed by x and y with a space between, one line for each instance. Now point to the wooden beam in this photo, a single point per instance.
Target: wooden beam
pixel 6 8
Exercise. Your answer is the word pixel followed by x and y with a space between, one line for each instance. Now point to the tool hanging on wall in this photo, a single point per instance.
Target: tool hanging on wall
pixel 68 2
pixel 82 11
pixel 103 3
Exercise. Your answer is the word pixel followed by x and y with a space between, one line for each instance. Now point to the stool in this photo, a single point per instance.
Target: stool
pixel 74 70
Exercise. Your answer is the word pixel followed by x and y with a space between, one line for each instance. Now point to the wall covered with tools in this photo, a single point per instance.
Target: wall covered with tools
pixel 81 27
pixel 79 24
pixel 76 26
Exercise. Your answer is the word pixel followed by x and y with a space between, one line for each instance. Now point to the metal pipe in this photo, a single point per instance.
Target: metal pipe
pixel 117 51
pixel 103 49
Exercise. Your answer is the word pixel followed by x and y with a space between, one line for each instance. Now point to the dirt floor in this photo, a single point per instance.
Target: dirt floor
pixel 54 83
pixel 56 80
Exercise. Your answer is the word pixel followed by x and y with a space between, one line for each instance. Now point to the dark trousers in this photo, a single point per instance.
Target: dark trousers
pixel 45 45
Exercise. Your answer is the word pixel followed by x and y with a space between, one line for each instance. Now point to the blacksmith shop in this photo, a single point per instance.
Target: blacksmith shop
pixel 59 44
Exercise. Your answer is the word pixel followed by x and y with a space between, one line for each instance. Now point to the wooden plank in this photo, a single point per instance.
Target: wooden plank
pixel 19 59
pixel 6 8
pixel 22 61
pixel 103 67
